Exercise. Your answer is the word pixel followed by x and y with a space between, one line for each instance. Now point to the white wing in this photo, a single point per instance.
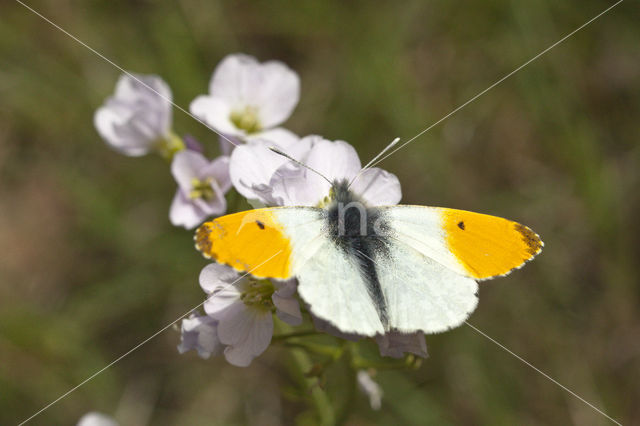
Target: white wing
pixel 423 285
pixel 475 245
pixel 331 283
pixel 422 228
pixel 421 293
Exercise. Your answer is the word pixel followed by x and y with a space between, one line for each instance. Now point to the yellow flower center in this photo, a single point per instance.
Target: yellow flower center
pixel 202 189
pixel 246 119
pixel 258 295
pixel 170 145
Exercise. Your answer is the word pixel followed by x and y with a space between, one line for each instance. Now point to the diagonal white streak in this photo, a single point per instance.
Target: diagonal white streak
pixel 497 82
pixel 125 71
pixel 524 361
pixel 124 355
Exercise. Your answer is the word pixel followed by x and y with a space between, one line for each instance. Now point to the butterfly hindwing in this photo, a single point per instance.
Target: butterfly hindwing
pixel 422 294
pixel 332 284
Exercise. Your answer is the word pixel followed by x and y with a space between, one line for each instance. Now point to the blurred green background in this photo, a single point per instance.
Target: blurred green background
pixel 90 266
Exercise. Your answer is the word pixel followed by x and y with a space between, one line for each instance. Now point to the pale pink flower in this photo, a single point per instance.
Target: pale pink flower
pixel 294 185
pixel 248 99
pixel 242 307
pixel 137 118
pixel 96 419
pixel 201 188
pixel 252 166
pixel 200 333
pixel 370 388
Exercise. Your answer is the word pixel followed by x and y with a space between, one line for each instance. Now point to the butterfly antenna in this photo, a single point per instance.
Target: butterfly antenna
pixel 374 159
pixel 285 155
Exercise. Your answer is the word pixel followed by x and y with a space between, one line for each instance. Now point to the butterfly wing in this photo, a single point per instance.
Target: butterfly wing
pixel 422 294
pixel 426 270
pixel 474 245
pixel 267 242
pixel 284 242
pixel 332 284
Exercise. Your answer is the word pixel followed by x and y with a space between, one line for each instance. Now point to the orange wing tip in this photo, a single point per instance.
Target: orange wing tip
pixel 531 239
pixel 534 247
pixel 489 246
pixel 203 240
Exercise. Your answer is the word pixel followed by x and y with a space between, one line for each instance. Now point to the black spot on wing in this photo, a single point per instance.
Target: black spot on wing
pixel 260 224
pixel 461 225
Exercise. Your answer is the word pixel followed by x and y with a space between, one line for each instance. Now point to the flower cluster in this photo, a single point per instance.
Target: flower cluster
pixel 247 103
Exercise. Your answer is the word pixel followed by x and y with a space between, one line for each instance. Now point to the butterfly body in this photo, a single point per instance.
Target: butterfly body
pixel 360 232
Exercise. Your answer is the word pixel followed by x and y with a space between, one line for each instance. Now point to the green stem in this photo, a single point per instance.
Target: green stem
pixel 286 336
pixel 331 352
pixel 299 367
pixel 319 398
pixel 345 409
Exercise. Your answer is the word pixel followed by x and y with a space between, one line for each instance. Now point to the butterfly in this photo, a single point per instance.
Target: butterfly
pixel 370 270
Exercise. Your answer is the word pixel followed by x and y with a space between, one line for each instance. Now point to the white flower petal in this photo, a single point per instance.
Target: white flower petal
pixel 247 332
pixel 184 212
pixel 252 166
pixel 137 115
pixel 272 88
pixel 110 124
pixel 216 113
pixel 135 87
pixel 215 276
pixel 277 93
pixel 336 160
pixel 296 185
pixel 214 207
pixel 200 333
pixel 232 79
pixel 287 306
pixel 279 136
pixel 186 166
pixel 96 419
pixel 290 186
pixel 220 305
pixel 378 187
pixel 219 170
pixel 371 389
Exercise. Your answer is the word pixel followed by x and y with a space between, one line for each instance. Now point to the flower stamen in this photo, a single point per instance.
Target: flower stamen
pixel 258 295
pixel 201 188
pixel 169 145
pixel 246 119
